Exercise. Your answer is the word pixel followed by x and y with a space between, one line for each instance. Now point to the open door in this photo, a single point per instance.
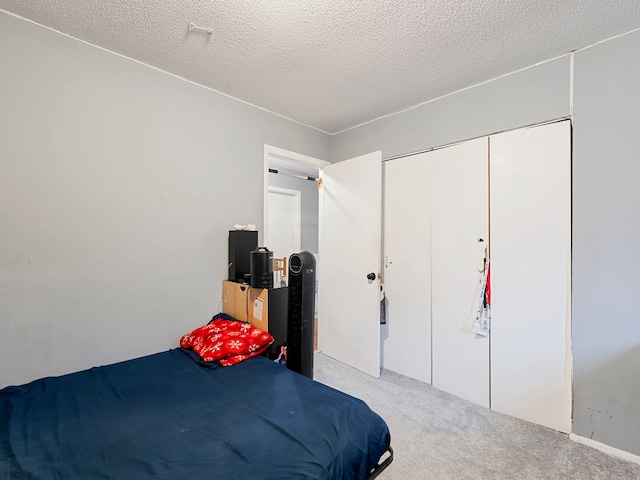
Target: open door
pixel 350 253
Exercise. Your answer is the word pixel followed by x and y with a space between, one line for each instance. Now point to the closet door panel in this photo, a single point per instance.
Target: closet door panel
pixel 459 219
pixel 530 273
pixel 406 337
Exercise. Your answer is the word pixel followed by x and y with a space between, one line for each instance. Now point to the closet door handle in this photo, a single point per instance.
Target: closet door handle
pixel 371 277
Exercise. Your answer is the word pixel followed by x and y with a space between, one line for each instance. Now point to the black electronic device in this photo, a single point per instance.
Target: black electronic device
pixel 261 268
pixel 301 313
pixel 241 244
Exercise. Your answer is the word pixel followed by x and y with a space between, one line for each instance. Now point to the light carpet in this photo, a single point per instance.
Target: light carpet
pixel 439 436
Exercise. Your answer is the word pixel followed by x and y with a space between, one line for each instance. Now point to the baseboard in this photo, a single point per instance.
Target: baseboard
pixel 615 452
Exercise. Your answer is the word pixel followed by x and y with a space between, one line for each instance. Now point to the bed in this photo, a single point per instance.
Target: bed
pixel 168 416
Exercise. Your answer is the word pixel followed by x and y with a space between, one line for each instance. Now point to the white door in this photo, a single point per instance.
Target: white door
pixel 284 220
pixel 530 274
pixel 350 236
pixel 406 346
pixel 459 226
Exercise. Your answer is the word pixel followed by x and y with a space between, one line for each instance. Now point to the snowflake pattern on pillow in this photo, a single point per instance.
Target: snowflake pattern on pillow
pixel 227 341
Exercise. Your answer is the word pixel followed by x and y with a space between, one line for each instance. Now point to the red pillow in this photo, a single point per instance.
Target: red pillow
pixel 227 341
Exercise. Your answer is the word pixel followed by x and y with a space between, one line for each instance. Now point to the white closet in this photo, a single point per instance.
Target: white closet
pixel 509 193
pixel 531 274
pixel 406 347
pixel 459 219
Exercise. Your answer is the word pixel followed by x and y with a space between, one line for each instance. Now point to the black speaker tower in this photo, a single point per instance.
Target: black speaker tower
pixel 241 244
pixel 301 313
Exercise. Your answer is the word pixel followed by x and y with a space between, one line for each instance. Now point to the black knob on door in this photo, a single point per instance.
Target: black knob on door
pixel 371 276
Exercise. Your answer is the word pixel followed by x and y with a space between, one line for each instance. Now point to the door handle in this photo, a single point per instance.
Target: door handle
pixel 371 277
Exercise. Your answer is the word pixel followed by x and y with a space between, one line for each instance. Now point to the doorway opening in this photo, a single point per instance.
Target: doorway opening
pixel 292 207
pixel 284 225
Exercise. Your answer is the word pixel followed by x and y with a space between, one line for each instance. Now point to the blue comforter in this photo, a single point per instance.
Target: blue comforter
pixel 165 416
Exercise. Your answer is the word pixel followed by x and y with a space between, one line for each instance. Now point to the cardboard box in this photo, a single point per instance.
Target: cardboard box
pixel 235 300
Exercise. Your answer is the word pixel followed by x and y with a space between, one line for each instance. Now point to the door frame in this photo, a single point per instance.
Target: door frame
pixel 298 162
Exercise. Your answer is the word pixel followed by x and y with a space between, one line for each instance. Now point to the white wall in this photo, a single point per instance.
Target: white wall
pixel 531 96
pixel 606 249
pixel 118 184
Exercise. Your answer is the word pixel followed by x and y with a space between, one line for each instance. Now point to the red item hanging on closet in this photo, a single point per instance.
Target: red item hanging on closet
pixel 487 291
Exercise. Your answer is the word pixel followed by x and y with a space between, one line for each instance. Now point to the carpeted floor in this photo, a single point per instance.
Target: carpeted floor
pixel 438 436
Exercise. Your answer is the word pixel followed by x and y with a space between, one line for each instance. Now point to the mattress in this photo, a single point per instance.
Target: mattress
pixel 165 416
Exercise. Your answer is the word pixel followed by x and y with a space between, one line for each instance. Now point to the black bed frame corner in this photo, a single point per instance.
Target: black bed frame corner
pixel 377 470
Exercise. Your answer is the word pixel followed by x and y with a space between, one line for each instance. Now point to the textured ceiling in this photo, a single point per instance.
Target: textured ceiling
pixel 334 64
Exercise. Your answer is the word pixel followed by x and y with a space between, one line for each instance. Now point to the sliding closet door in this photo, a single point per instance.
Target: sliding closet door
pixel 459 190
pixel 406 347
pixel 530 273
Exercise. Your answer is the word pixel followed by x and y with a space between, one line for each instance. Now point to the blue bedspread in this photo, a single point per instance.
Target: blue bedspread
pixel 164 416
